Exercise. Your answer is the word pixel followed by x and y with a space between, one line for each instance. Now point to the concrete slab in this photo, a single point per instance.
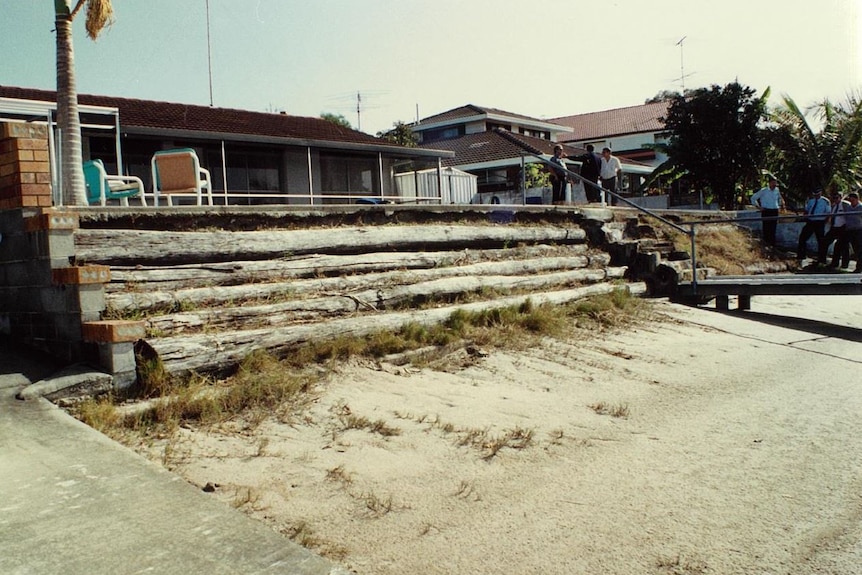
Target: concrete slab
pixel 75 502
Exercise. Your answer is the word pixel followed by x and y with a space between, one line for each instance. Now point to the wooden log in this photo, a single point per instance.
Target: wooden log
pixel 250 317
pixel 197 297
pixel 320 265
pixel 215 352
pixel 148 247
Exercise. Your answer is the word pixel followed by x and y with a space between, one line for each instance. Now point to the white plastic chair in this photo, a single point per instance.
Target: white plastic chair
pixel 179 171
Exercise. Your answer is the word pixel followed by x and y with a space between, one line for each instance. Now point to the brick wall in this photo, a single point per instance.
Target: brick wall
pixel 25 173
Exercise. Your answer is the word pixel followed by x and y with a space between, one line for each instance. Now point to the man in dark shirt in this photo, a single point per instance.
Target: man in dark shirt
pixel 590 164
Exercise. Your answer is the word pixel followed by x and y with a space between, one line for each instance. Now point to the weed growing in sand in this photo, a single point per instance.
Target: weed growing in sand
pixel 351 421
pixel 617 410
pixel 247 496
pixel 303 534
pixel 376 506
pixel 341 475
pixel 467 490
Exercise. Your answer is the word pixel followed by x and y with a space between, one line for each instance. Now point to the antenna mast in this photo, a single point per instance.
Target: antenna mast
pixel 681 66
pixel 209 54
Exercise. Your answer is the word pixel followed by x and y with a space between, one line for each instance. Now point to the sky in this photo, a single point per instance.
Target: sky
pixel 399 59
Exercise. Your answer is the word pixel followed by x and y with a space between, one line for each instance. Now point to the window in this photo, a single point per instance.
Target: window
pixel 446 133
pixel 349 176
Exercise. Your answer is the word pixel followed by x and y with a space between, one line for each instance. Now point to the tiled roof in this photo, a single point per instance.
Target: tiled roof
pixel 471 110
pixel 630 120
pixel 149 114
pixel 494 146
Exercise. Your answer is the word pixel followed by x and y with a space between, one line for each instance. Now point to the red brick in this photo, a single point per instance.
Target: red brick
pixel 113 331
pixel 79 275
pixel 34 167
pixel 52 219
pixel 35 189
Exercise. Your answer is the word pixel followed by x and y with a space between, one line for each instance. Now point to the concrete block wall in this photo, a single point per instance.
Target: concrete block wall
pixel 47 301
pixel 43 300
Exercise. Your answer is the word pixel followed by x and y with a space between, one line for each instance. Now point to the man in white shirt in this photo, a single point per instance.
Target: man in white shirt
pixel 769 201
pixel 610 170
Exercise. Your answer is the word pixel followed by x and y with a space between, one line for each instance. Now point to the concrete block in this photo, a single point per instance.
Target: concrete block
pixel 117 357
pixel 35 273
pixel 91 298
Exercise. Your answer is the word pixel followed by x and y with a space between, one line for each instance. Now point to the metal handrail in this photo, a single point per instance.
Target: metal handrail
pixel 690 232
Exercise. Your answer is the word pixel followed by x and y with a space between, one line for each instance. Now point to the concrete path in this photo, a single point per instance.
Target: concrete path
pixel 75 502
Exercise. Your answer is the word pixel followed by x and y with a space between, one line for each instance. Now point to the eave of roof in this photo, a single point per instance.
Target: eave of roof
pixel 473 113
pixel 146 117
pixel 497 146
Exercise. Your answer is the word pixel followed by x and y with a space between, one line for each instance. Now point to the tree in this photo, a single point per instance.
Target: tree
pixel 717 139
pixel 99 15
pixel 337 119
pixel 401 134
pixel 807 159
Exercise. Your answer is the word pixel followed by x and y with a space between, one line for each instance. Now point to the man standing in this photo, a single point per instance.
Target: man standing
pixel 817 209
pixel 768 200
pixel 558 176
pixel 841 251
pixel 610 171
pixel 853 228
pixel 590 166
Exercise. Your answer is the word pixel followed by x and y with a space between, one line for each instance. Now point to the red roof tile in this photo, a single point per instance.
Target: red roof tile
pixel 186 117
pixel 494 146
pixel 630 120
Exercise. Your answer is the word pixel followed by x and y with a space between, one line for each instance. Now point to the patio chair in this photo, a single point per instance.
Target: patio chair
pixel 179 171
pixel 102 187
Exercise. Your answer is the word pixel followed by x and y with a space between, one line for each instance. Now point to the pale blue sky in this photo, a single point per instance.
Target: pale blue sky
pixel 544 59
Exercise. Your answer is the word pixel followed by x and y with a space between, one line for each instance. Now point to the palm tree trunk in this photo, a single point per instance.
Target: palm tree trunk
pixel 74 192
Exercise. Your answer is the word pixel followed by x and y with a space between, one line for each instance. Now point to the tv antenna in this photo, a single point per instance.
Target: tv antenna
pixel 358 102
pixel 682 74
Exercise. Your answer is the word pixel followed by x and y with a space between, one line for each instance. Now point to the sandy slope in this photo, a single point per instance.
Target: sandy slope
pixel 741 452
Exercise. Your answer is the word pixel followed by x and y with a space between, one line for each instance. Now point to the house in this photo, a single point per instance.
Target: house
pixel 631 132
pixel 253 157
pixel 472 119
pixel 496 146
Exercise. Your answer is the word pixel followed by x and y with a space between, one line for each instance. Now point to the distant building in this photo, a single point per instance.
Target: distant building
pixel 630 132
pixel 495 145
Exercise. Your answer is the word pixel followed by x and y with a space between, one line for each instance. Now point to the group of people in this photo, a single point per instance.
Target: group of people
pixel 842 216
pixel 606 167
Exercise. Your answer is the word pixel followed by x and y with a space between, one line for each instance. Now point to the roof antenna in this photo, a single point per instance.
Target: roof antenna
pixel 681 67
pixel 209 54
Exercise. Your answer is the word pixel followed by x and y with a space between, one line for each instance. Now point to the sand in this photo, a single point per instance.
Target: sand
pixel 701 443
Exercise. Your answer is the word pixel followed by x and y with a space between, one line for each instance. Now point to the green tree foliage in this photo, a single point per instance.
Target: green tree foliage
pixel 536 176
pixel 337 119
pixel 805 158
pixel 716 140
pixel 401 134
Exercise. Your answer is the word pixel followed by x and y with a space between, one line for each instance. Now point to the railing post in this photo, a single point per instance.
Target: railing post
pixel 691 235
